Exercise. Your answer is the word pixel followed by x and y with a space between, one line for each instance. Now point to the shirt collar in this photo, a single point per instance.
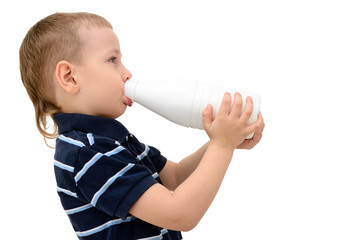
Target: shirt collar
pixel 87 123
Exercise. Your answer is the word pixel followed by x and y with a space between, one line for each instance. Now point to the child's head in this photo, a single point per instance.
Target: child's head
pixel 70 62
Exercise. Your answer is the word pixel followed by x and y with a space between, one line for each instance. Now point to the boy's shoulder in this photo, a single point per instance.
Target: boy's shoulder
pixel 90 133
pixel 85 128
pixel 84 139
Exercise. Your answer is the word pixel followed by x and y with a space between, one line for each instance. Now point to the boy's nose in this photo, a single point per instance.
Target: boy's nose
pixel 127 75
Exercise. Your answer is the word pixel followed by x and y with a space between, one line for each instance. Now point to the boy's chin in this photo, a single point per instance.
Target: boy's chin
pixel 120 112
pixel 115 114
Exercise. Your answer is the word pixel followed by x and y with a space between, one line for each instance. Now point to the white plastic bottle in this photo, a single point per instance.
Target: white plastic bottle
pixel 183 102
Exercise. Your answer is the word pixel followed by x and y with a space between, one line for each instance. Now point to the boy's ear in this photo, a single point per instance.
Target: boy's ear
pixel 64 72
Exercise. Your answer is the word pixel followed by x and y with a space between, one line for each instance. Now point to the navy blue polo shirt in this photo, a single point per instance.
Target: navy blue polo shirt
pixel 101 170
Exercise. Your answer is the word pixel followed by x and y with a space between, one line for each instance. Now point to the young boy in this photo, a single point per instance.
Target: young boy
pixel 111 185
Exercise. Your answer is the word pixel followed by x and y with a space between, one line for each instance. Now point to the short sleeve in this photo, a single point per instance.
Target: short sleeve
pixel 110 178
pixel 152 153
pixel 158 160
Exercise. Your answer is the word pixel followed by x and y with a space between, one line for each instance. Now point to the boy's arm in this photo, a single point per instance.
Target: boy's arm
pixel 173 174
pixel 183 209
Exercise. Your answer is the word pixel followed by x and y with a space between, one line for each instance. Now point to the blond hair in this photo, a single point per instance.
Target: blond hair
pixel 52 39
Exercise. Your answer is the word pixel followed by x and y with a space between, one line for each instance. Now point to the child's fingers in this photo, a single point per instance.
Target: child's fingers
pixel 237 106
pixel 207 117
pixel 262 120
pixel 257 127
pixel 248 109
pixel 225 105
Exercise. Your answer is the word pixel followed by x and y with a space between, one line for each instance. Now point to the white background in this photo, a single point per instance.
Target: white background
pixel 304 179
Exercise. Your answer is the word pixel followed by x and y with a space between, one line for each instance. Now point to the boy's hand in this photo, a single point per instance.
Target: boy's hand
pixel 229 129
pixel 250 143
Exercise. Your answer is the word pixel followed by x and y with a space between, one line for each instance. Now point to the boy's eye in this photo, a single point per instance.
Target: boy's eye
pixel 112 59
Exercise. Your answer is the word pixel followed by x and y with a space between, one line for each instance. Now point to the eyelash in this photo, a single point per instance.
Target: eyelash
pixel 112 59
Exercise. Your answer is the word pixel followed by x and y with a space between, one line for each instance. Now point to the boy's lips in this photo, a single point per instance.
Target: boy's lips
pixel 129 102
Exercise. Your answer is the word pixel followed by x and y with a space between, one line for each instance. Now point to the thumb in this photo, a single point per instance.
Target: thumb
pixel 207 117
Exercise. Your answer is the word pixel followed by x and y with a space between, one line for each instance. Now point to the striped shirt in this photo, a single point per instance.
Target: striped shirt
pixel 101 170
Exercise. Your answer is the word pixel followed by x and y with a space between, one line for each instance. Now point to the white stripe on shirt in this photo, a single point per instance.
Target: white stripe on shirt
pixel 63 166
pixel 78 209
pixel 94 159
pixel 66 191
pixel 144 154
pixel 71 141
pixel 90 138
pixel 104 226
pixel 109 183
pixel 86 166
pixel 114 151
pixel 158 237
